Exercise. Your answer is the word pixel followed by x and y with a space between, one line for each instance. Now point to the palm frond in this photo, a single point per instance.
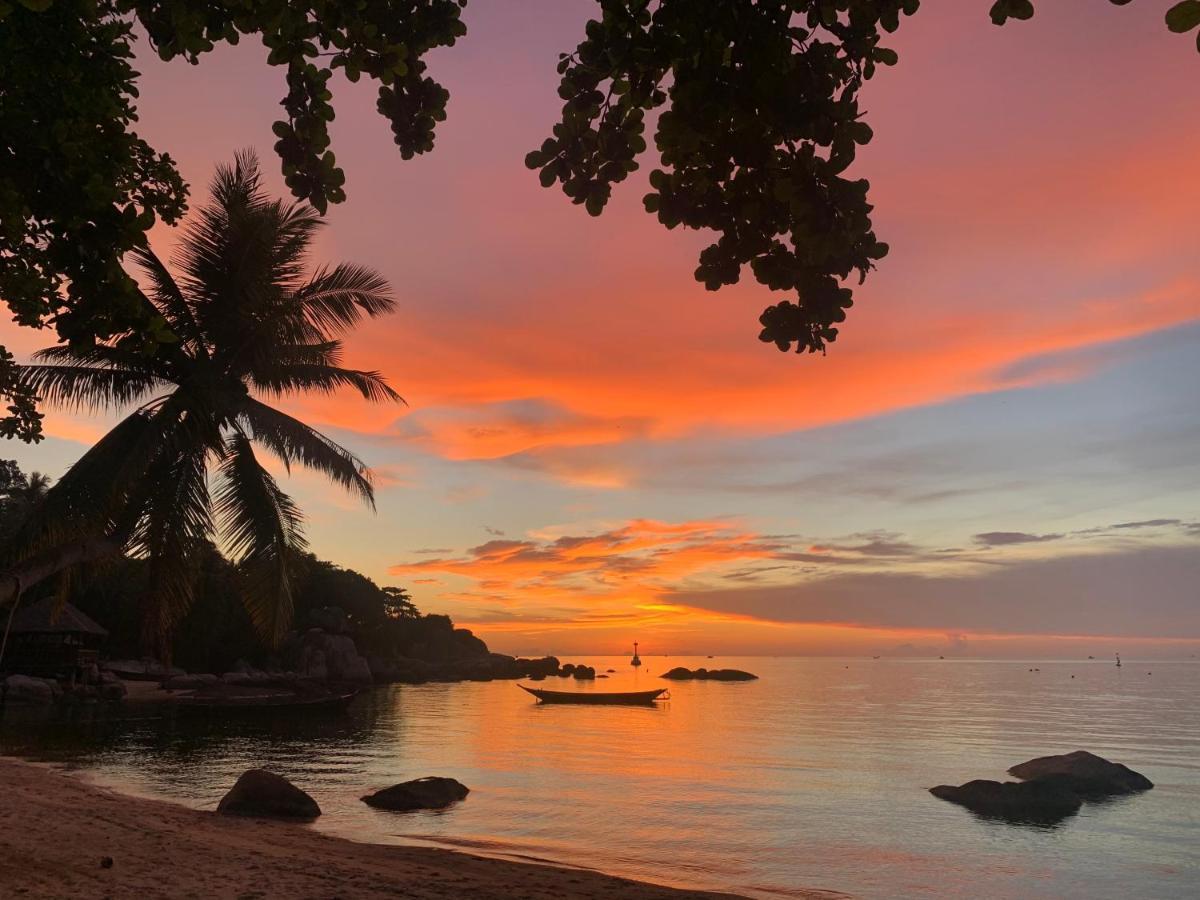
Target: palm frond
pixel 78 387
pixel 241 254
pixel 335 300
pixel 176 523
pixel 296 378
pixel 294 442
pixel 98 356
pixel 93 497
pixel 321 353
pixel 168 298
pixel 262 529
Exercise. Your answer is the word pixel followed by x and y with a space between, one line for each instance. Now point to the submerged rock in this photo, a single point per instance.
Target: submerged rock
pixel 679 673
pixel 1042 801
pixel 433 792
pixel 25 689
pixel 262 793
pixel 191 682
pixel 531 668
pixel 111 686
pixel 1085 773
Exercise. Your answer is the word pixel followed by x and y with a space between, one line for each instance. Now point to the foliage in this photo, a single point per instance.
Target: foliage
pixel 216 632
pixel 79 189
pixel 251 324
pixel 399 604
pixel 20 493
pixel 364 603
pixel 758 120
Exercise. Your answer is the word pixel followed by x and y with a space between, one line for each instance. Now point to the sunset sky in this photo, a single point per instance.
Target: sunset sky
pixel 999 455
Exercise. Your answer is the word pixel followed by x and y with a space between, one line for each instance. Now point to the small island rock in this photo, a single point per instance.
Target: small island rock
pixel 1043 801
pixel 424 793
pixel 1087 774
pixel 262 793
pixel 679 673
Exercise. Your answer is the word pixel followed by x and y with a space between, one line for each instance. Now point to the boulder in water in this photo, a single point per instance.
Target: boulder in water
pixel 191 682
pixel 111 687
pixel 433 792
pixel 24 689
pixel 1085 773
pixel 262 793
pixel 679 673
pixel 530 668
pixel 1044 801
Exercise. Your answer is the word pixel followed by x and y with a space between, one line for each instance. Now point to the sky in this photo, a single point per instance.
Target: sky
pixel 998 456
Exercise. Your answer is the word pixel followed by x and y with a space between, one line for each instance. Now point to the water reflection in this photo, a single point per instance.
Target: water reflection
pixel 814 776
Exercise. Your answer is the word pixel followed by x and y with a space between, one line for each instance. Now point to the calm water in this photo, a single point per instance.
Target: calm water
pixel 814 776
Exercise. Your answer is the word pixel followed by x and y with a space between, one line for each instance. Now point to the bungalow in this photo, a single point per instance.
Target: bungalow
pixel 52 639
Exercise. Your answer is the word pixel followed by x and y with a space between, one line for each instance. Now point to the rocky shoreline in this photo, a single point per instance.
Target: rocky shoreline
pixel 316 657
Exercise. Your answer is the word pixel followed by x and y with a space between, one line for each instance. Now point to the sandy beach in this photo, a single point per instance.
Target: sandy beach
pixel 56 829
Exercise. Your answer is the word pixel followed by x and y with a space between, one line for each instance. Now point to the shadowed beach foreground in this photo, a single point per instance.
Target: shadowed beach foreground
pixel 55 830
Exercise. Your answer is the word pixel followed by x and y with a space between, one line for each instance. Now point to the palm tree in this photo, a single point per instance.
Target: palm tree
pixel 34 487
pixel 248 325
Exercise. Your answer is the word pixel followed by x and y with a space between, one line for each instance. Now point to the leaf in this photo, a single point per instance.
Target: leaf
pixel 1183 17
pixel 1003 10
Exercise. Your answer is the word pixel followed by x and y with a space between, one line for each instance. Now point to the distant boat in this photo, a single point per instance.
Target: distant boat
pixel 637 660
pixel 1118 660
pixel 597 698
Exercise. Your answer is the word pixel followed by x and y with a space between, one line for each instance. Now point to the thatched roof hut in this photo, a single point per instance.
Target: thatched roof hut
pixel 48 638
pixel 47 617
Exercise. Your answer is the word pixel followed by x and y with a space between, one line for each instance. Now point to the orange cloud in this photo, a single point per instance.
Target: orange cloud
pixel 525 397
pixel 1006 253
pixel 636 559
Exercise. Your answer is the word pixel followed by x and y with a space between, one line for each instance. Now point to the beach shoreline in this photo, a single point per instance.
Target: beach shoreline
pixel 57 829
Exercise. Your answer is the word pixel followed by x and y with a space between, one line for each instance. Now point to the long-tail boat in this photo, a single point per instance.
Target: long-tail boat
pixel 598 698
pixel 234 700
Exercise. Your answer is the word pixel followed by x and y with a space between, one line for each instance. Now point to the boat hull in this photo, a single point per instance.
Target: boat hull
pixel 261 704
pixel 597 698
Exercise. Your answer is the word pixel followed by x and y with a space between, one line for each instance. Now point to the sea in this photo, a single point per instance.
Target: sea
pixel 813 777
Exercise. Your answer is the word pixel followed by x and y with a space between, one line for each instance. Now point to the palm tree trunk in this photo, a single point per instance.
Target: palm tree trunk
pixel 21 577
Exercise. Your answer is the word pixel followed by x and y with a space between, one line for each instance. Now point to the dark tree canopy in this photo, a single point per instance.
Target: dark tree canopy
pixel 79 189
pixel 758 121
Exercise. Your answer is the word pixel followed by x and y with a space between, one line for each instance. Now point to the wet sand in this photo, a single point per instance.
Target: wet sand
pixel 55 830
